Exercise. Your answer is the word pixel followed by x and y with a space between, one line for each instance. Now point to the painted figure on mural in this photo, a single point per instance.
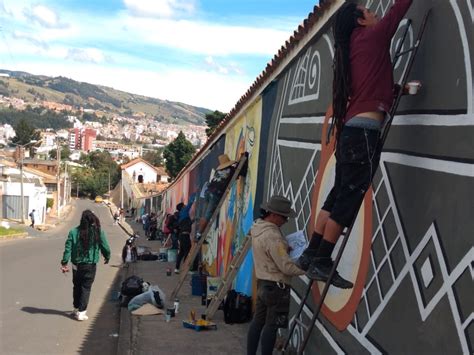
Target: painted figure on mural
pixel 363 91
pixel 215 189
pixel 273 269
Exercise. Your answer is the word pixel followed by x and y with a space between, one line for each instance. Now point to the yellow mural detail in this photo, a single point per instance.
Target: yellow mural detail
pixel 241 137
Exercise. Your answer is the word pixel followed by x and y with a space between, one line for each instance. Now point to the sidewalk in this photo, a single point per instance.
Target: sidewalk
pixel 152 335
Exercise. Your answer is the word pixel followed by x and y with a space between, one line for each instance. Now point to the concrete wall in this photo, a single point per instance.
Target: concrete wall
pixel 410 254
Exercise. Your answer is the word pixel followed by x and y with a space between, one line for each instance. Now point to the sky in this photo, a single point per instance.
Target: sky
pixel 204 53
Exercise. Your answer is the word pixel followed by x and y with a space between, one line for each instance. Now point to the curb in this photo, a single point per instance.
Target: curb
pixel 125 325
pixel 14 236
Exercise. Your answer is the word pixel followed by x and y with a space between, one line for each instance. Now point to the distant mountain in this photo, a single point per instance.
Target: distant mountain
pixel 37 88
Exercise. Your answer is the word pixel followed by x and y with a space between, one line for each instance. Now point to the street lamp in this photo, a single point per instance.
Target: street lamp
pixel 22 149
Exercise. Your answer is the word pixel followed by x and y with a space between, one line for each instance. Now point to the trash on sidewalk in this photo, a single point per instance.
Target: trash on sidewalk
pixel 147 310
pixel 153 295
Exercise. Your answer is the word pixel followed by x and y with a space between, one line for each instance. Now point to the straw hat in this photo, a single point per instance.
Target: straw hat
pixel 224 162
pixel 279 205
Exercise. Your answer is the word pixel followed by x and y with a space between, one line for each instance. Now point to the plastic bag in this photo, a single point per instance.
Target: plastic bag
pixel 154 295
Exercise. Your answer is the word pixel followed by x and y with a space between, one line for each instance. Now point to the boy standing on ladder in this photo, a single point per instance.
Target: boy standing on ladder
pixel 363 92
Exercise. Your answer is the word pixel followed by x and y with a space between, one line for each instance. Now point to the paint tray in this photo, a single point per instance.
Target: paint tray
pixel 200 324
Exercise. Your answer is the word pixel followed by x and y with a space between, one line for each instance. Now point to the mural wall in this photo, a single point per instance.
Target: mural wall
pixel 410 254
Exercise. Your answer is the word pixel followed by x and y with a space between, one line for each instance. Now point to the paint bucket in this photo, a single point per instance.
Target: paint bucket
pixel 172 255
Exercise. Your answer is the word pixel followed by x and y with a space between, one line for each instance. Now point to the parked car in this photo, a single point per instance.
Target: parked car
pixel 98 199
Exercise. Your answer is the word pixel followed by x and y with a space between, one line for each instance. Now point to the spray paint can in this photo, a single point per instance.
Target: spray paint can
pixel 168 272
pixel 176 305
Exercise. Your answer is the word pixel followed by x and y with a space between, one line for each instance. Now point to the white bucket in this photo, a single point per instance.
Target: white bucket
pixel 172 255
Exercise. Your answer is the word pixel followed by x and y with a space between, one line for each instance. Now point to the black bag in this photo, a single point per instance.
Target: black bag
pixel 132 286
pixel 147 257
pixel 159 302
pixel 237 307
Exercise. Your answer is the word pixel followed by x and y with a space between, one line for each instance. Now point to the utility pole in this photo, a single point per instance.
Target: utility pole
pixel 65 182
pixel 22 204
pixel 121 190
pixel 22 197
pixel 108 191
pixel 58 194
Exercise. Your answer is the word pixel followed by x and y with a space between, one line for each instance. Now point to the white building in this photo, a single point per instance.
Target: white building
pixel 34 194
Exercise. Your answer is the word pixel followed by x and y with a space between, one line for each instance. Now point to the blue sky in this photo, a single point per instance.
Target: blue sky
pixel 201 52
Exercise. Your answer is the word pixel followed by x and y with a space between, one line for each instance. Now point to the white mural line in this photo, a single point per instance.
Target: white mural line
pixel 318 324
pixel 303 120
pixel 467 56
pixel 434 120
pixel 468 321
pixel 363 341
pixel 471 10
pixel 444 166
pixel 308 71
pixel 277 130
pixel 408 268
pixel 299 145
pixel 329 43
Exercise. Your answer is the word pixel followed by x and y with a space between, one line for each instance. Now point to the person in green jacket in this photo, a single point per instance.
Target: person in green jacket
pixel 82 247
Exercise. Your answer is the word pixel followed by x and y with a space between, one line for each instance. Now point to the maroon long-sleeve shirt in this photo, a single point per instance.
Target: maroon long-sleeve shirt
pixel 371 66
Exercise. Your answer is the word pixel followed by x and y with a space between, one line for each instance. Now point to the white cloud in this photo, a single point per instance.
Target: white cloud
pixel 31 38
pixel 44 16
pixel 86 55
pixel 220 68
pixel 207 38
pixel 159 8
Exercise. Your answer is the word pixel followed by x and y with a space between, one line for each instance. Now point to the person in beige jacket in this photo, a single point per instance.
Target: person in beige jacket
pixel 274 269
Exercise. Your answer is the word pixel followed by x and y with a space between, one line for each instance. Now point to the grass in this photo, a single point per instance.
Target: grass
pixel 10 231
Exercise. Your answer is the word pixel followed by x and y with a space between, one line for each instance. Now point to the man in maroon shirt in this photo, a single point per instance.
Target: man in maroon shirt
pixel 362 95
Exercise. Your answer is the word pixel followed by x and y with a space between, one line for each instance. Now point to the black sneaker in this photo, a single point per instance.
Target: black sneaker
pixel 304 261
pixel 320 270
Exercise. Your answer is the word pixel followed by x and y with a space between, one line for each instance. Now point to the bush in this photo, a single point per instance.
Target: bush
pixel 49 202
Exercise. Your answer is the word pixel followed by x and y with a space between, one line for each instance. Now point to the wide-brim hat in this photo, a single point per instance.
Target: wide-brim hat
pixel 279 205
pixel 224 161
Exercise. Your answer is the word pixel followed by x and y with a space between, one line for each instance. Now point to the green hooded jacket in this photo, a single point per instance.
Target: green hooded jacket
pixel 73 249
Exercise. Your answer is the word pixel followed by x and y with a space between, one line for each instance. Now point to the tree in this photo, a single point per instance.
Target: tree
pixel 177 154
pixel 154 157
pixel 212 120
pixel 65 153
pixel 25 133
pixel 94 179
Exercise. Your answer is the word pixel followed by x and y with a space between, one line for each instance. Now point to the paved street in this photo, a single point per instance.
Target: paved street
pixel 36 299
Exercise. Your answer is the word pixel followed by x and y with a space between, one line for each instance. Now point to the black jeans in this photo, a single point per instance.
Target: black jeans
pixel 357 159
pixel 184 248
pixel 82 279
pixel 271 313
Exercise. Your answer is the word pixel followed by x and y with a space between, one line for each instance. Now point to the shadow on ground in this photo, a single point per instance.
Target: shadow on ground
pixel 102 335
pixel 35 310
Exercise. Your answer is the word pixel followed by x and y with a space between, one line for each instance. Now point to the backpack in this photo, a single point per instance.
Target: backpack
pixel 237 307
pixel 132 286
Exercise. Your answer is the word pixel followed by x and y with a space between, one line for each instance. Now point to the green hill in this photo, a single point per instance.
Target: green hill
pixel 39 88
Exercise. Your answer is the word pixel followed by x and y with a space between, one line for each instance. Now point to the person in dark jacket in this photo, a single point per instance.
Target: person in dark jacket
pixel 363 91
pixel 184 228
pixel 82 247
